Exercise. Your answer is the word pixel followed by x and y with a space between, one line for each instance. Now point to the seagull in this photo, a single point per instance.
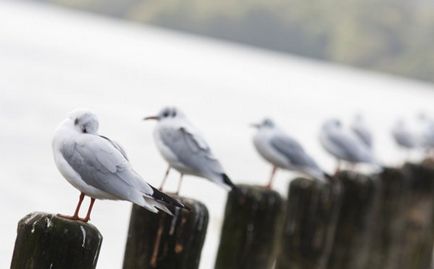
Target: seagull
pixel 344 144
pixel 185 150
pixel 283 152
pixel 427 132
pixel 404 136
pixel 99 168
pixel 361 129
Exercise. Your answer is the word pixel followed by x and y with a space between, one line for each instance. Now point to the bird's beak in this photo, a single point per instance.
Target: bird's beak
pixel 151 118
pixel 254 125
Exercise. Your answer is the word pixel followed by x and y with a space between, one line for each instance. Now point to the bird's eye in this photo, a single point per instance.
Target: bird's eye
pixel 165 114
pixel 84 130
pixel 174 114
pixel 75 121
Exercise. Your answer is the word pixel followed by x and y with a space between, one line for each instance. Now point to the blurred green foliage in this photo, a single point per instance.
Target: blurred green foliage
pixel 394 36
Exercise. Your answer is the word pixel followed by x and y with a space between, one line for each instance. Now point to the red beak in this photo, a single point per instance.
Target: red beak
pixel 151 118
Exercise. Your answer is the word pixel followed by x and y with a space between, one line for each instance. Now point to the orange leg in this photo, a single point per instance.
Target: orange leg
pixel 87 218
pixel 338 167
pixel 77 209
pixel 179 183
pixel 164 179
pixel 270 182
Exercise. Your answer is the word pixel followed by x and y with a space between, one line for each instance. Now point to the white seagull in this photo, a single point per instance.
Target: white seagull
pixel 99 168
pixel 185 150
pixel 361 129
pixel 404 136
pixel 427 132
pixel 283 152
pixel 344 144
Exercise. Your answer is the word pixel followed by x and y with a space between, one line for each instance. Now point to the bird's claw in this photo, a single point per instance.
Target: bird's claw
pixel 75 218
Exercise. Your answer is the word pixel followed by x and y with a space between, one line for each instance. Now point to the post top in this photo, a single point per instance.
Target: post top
pixel 46 221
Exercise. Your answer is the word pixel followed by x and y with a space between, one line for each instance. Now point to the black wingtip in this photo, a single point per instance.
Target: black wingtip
pixel 166 199
pixel 229 182
pixel 328 176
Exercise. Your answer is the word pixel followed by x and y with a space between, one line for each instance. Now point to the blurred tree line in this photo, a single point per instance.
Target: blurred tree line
pixel 394 36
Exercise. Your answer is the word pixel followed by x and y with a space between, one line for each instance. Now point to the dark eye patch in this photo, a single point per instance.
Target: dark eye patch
pixel 174 113
pixel 75 121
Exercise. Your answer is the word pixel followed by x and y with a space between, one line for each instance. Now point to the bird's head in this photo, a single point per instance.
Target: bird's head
pixel 423 116
pixel 332 123
pixel 358 117
pixel 264 124
pixel 84 121
pixel 165 114
pixel 400 122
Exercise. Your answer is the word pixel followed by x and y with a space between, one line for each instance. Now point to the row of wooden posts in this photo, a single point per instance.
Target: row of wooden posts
pixel 382 221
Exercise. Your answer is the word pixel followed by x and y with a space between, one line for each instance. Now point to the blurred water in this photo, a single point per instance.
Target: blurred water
pixel 53 60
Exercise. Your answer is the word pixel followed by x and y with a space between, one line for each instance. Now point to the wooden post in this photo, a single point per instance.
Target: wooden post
pixel 166 242
pixel 253 219
pixel 312 211
pixel 416 239
pixel 389 221
pixel 48 241
pixel 354 231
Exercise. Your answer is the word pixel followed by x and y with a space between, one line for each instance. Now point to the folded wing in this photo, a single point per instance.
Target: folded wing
pixel 103 165
pixel 293 151
pixel 349 147
pixel 191 150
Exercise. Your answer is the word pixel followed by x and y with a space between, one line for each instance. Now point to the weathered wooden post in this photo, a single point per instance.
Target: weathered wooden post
pixel 48 241
pixel 312 211
pixel 253 219
pixel 166 242
pixel 416 240
pixel 354 231
pixel 389 221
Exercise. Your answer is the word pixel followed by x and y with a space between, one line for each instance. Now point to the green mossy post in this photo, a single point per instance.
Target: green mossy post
pixel 252 224
pixel 416 240
pixel 48 241
pixel 356 222
pixel 312 211
pixel 166 242
pixel 389 220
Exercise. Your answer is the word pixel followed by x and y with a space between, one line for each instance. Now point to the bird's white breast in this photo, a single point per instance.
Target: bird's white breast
pixel 169 128
pixel 328 145
pixel 262 143
pixel 61 137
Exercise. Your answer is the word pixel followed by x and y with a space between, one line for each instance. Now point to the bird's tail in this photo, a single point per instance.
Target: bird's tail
pixel 317 174
pixel 327 176
pixel 377 164
pixel 227 183
pixel 162 201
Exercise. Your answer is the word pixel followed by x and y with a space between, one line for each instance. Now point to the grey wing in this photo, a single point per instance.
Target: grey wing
pixel 191 150
pixel 293 151
pixel 428 135
pixel 117 146
pixel 104 167
pixel 363 134
pixel 404 139
pixel 348 148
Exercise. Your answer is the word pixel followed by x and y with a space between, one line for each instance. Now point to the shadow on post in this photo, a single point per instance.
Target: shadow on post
pixel 416 241
pixel 310 222
pixel 389 220
pixel 253 219
pixel 166 242
pixel 48 241
pixel 356 221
